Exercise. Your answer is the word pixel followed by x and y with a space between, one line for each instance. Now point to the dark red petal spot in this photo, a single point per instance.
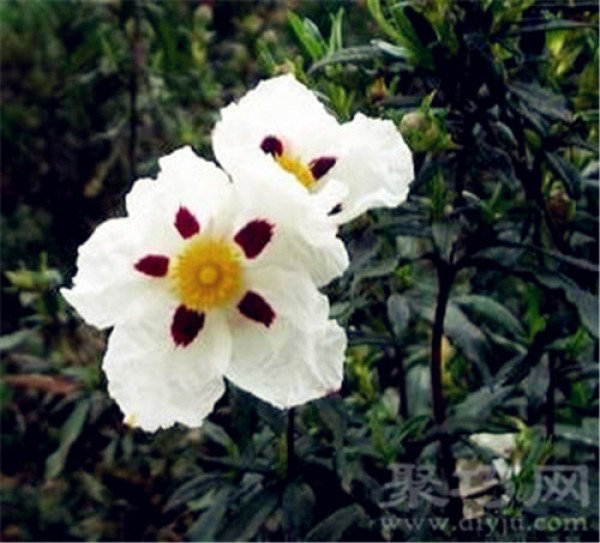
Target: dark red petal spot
pixel 254 237
pixel 272 146
pixel 256 308
pixel 186 325
pixel 187 225
pixel 320 166
pixel 153 265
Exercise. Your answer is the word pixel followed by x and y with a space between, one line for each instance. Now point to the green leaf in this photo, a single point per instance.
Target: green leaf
pixel 10 341
pixel 69 433
pixel 567 173
pixel 337 524
pixel 468 337
pixel 252 515
pixel 359 53
pixel 193 489
pixel 308 35
pixel 585 302
pixel 298 504
pixel 394 51
pixel 398 312
pixel 587 434
pixel 208 523
pixel 491 310
pixel 544 101
pixel 374 7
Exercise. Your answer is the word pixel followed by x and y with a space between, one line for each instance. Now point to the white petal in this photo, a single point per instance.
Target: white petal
pixel 107 284
pixel 186 180
pixel 304 236
pixel 374 163
pixel 280 107
pixel 157 384
pixel 300 356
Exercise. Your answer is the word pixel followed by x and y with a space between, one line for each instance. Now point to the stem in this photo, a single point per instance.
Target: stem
pixel 550 400
pixel 291 430
pixel 399 363
pixel 445 280
pixel 136 61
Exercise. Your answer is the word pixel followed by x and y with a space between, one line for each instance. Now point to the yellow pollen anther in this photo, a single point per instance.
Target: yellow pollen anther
pixel 207 273
pixel 297 168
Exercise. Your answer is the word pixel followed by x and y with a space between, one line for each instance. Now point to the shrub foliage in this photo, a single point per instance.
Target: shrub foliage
pixel 472 308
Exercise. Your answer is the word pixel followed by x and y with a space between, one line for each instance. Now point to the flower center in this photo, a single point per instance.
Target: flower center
pixel 207 274
pixel 297 168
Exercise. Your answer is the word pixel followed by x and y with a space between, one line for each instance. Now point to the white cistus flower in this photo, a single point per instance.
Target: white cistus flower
pixel 203 282
pixel 281 126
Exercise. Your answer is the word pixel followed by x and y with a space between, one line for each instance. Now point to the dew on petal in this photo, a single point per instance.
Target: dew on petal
pixel 320 166
pixel 272 146
pixel 254 307
pixel 153 265
pixel 187 225
pixel 186 325
pixel 254 237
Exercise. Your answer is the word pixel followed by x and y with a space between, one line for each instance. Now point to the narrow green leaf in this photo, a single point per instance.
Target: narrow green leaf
pixel 335 525
pixel 398 312
pixel 566 172
pixel 208 523
pixel 360 53
pixel 69 433
pixel 308 35
pixel 490 309
pixel 298 504
pixel 252 515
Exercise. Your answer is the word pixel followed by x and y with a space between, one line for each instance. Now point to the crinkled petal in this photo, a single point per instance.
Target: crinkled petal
pixel 157 383
pixel 300 356
pixel 184 179
pixel 280 107
pixel 107 284
pixel 304 236
pixel 374 163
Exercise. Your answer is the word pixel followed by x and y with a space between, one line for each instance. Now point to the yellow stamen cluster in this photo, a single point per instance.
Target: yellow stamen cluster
pixel 297 168
pixel 207 274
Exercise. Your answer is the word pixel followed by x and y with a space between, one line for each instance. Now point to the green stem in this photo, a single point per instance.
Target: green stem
pixel 291 456
pixel 448 463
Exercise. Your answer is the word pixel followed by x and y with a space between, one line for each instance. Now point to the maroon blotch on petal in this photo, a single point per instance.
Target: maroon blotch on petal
pixel 153 265
pixel 186 326
pixel 254 237
pixel 272 146
pixel 320 166
pixel 254 307
pixel 187 225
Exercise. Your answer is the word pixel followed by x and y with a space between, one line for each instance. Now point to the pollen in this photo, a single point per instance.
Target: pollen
pixel 207 274
pixel 297 168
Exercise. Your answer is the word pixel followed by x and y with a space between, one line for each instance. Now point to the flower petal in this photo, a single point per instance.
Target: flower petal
pixel 304 237
pixel 280 108
pixel 107 282
pixel 300 356
pixel 374 163
pixel 157 384
pixel 185 180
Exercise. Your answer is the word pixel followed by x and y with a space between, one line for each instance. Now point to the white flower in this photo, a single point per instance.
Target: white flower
pixel 281 126
pixel 202 281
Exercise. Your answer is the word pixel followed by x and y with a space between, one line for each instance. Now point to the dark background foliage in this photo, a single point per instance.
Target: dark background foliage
pixel 472 308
